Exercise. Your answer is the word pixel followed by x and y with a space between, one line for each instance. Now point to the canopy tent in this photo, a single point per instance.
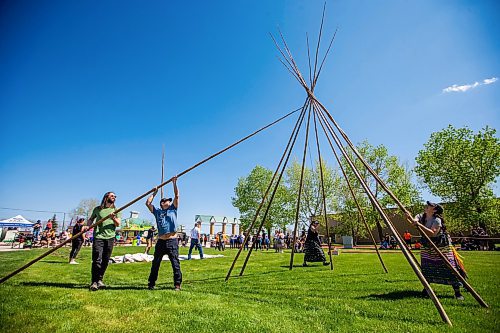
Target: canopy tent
pixel 16 221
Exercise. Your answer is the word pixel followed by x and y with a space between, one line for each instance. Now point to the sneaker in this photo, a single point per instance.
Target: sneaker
pixel 326 263
pixel 94 287
pixel 304 264
pixel 73 262
pixel 151 287
pixel 100 284
pixel 459 296
pixel 177 287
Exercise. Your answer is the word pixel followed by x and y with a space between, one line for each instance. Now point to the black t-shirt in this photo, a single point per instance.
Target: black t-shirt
pixel 151 234
pixel 76 229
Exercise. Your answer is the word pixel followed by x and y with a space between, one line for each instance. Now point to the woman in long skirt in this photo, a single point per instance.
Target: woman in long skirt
pixel 434 268
pixel 312 247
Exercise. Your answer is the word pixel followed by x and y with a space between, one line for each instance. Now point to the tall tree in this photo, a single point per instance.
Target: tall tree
pixel 85 207
pixel 312 197
pixel 55 223
pixel 461 166
pixel 249 193
pixel 397 176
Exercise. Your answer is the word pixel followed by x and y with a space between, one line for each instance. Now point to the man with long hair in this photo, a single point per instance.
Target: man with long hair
pixel 167 244
pixel 104 236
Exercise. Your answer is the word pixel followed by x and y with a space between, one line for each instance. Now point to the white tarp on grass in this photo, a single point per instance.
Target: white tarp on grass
pixel 142 257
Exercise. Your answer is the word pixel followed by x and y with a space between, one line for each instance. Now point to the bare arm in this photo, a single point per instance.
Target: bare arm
pixel 115 219
pixel 150 200
pixel 176 192
pixel 431 232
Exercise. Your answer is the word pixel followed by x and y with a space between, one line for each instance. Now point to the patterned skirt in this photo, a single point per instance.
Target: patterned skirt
pixel 435 269
pixel 313 252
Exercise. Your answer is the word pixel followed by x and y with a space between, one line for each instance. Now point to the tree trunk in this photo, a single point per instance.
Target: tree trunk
pixel 380 231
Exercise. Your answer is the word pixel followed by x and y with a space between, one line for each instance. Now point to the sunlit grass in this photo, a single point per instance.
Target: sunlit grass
pixel 52 296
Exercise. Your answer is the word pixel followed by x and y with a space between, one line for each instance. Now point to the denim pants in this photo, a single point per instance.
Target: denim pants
pixel 168 247
pixel 195 243
pixel 101 252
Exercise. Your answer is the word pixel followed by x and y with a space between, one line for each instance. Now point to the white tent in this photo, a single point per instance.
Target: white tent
pixel 16 221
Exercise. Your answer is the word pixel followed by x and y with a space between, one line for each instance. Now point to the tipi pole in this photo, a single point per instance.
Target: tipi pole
pixel 162 168
pixel 5 278
pixel 396 235
pixel 297 210
pixel 247 234
pixel 272 196
pixel 351 190
pixel 323 191
pixel 409 218
pixel 405 251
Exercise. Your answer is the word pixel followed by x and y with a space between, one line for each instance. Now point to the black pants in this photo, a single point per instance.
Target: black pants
pixel 101 252
pixel 169 247
pixel 76 244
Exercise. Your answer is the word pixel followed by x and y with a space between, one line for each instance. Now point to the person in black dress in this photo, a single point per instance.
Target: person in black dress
pixel 312 247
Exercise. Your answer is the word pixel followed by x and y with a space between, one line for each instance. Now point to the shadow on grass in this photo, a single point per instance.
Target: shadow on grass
pixel 82 286
pixel 398 295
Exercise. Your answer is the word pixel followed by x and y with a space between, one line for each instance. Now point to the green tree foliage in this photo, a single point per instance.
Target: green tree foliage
pixel 249 193
pixel 460 167
pixel 311 197
pixel 395 174
pixel 55 223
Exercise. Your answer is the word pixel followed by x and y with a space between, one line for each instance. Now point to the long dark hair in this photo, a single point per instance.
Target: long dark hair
pixel 104 198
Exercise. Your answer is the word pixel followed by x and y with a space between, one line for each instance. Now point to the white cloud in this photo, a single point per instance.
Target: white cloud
pixel 490 81
pixel 465 87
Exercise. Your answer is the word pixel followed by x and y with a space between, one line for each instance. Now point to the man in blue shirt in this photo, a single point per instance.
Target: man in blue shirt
pixel 166 220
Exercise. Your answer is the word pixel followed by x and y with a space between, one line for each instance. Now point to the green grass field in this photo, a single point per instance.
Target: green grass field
pixel 52 296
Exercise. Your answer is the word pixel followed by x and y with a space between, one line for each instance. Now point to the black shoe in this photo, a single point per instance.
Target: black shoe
pixel 151 287
pixel 326 263
pixel 304 264
pixel 101 285
pixel 93 287
pixel 424 293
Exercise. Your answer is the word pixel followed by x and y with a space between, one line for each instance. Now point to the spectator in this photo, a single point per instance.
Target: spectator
pixel 407 238
pixel 149 239
pixel 36 230
pixel 195 240
pixel 76 243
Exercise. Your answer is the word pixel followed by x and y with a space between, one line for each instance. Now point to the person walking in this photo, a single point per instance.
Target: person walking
pixel 313 251
pixel 103 238
pixel 434 268
pixel 195 240
pixel 149 239
pixel 76 243
pixel 167 244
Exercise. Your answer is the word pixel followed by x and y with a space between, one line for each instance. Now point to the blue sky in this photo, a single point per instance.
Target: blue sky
pixel 90 90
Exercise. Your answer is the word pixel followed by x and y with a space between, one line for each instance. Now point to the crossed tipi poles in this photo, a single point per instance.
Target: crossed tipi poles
pixel 312 106
pixel 334 132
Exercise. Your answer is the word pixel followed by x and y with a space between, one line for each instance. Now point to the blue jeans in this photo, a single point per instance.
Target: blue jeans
pixel 195 243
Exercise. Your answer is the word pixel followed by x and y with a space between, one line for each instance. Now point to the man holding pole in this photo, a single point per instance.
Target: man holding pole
pixel 104 238
pixel 166 220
